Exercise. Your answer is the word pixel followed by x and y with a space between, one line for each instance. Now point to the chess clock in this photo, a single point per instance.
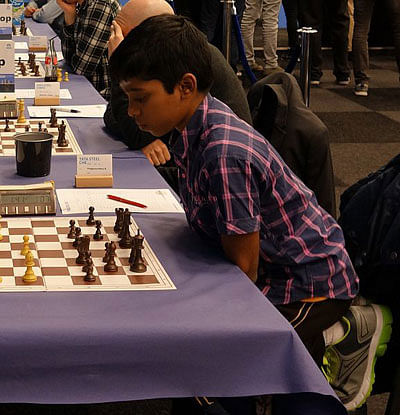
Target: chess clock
pixel 35 199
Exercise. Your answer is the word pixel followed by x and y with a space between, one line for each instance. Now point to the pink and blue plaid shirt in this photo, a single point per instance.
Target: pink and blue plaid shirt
pixel 232 181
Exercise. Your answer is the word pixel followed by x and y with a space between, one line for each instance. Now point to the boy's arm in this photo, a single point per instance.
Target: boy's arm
pixel 243 250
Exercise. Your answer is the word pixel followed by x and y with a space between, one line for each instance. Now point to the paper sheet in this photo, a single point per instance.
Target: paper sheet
pixel 30 93
pixel 86 111
pixel 21 45
pixel 73 201
pixel 39 56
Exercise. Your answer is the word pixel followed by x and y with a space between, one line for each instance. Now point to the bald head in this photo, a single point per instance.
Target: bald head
pixel 136 11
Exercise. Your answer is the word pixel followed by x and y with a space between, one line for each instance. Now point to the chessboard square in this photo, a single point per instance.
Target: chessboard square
pixel 44 231
pixel 9 152
pixel 53 262
pixel 70 253
pixel 59 282
pixel 149 271
pixel 50 253
pixel 7 134
pixel 97 253
pixel 19 281
pixel 21 222
pixel 7 272
pixel 123 253
pixel 19 237
pixel 81 281
pixel 7 282
pixel 124 261
pixel 5 238
pixel 47 238
pixel 67 245
pixel 16 253
pixel 100 270
pixel 77 271
pixel 63 150
pixel 119 280
pixel 5 253
pixel 98 262
pixel 20 231
pixel 82 224
pixel 42 224
pixel 63 230
pixel 109 230
pixel 52 130
pixel 71 262
pixel 6 262
pixel 143 279
pixel 51 246
pixel 98 245
pixel 21 262
pixel 54 271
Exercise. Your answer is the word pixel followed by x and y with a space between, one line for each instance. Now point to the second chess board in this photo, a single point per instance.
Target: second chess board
pixel 7 142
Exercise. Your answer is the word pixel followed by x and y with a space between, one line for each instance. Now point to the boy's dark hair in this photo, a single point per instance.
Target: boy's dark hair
pixel 164 47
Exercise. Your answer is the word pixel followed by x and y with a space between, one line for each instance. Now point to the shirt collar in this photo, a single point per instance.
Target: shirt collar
pixel 180 142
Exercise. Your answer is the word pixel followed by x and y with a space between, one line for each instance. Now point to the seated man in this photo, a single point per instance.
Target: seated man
pixel 44 11
pixel 237 192
pixel 84 39
pixel 226 87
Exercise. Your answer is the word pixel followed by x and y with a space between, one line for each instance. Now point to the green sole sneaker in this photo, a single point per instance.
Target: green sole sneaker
pixel 349 364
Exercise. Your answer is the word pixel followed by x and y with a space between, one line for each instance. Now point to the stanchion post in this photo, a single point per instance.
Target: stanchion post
pixel 227 28
pixel 305 62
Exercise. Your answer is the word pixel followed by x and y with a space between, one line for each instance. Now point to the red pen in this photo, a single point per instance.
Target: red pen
pixel 129 202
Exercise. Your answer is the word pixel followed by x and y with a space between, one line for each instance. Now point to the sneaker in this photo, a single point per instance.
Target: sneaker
pixel 361 89
pixel 256 67
pixel 343 80
pixel 349 364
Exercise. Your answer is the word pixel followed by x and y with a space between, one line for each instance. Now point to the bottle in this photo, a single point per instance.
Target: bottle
pixel 50 63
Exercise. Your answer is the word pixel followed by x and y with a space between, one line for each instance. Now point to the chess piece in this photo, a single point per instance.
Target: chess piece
pixel 25 248
pixel 26 128
pixel 36 71
pixel 90 220
pixel 22 27
pixel 7 127
pixel 119 220
pixel 138 264
pixel 98 236
pixel 53 118
pixel 29 275
pixel 14 30
pixel 61 141
pixel 111 266
pixel 88 261
pixel 40 126
pixel 71 233
pixel 59 75
pixel 107 252
pixel 66 78
pixel 19 61
pixel 83 247
pixel 21 112
pixel 89 277
pixel 126 239
pixel 78 232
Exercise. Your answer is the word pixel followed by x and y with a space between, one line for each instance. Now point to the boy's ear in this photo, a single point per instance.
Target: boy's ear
pixel 188 85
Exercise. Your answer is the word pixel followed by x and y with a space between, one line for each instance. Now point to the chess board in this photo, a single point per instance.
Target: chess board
pixel 7 142
pixel 29 73
pixel 55 256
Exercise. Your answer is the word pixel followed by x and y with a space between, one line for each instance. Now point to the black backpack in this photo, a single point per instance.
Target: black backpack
pixel 370 219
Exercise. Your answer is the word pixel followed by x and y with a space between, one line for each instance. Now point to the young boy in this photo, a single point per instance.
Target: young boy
pixel 236 190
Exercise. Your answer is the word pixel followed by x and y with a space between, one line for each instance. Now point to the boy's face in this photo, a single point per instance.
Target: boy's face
pixel 153 109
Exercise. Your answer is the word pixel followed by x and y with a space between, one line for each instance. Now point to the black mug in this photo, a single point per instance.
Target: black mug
pixel 33 153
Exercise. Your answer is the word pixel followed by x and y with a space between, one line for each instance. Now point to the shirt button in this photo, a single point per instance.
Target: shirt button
pixel 393 255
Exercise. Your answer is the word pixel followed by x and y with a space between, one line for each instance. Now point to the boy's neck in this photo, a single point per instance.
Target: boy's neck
pixel 194 104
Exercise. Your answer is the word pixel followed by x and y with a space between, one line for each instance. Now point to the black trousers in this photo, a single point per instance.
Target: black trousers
pixel 291 12
pixel 311 14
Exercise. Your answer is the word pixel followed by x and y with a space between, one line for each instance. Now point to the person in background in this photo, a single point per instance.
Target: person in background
pixel 268 10
pixel 226 87
pixel 43 11
pixel 86 31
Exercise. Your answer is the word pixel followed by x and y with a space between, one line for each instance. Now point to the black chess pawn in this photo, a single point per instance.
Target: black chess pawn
pixel 90 220
pixel 7 127
pixel 14 30
pixel 119 220
pixel 80 259
pixel 89 277
pixel 138 264
pixel 40 126
pixel 53 118
pixel 98 236
pixel 111 266
pixel 88 261
pixel 71 233
pixel 26 128
pixel 36 71
pixel 19 61
pixel 78 232
pixel 107 252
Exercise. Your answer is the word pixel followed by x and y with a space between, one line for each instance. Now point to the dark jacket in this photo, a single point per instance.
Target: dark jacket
pixel 226 88
pixel 300 137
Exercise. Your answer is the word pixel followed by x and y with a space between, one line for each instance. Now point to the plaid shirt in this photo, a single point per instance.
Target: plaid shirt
pixel 232 181
pixel 85 42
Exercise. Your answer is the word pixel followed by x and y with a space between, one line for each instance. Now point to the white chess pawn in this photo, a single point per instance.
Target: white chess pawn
pixel 25 248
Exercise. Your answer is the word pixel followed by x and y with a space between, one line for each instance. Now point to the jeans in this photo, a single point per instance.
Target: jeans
pixel 363 10
pixel 311 15
pixel 269 11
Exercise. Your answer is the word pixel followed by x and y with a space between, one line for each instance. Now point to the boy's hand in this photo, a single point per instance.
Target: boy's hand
pixel 69 11
pixel 29 11
pixel 116 37
pixel 157 152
